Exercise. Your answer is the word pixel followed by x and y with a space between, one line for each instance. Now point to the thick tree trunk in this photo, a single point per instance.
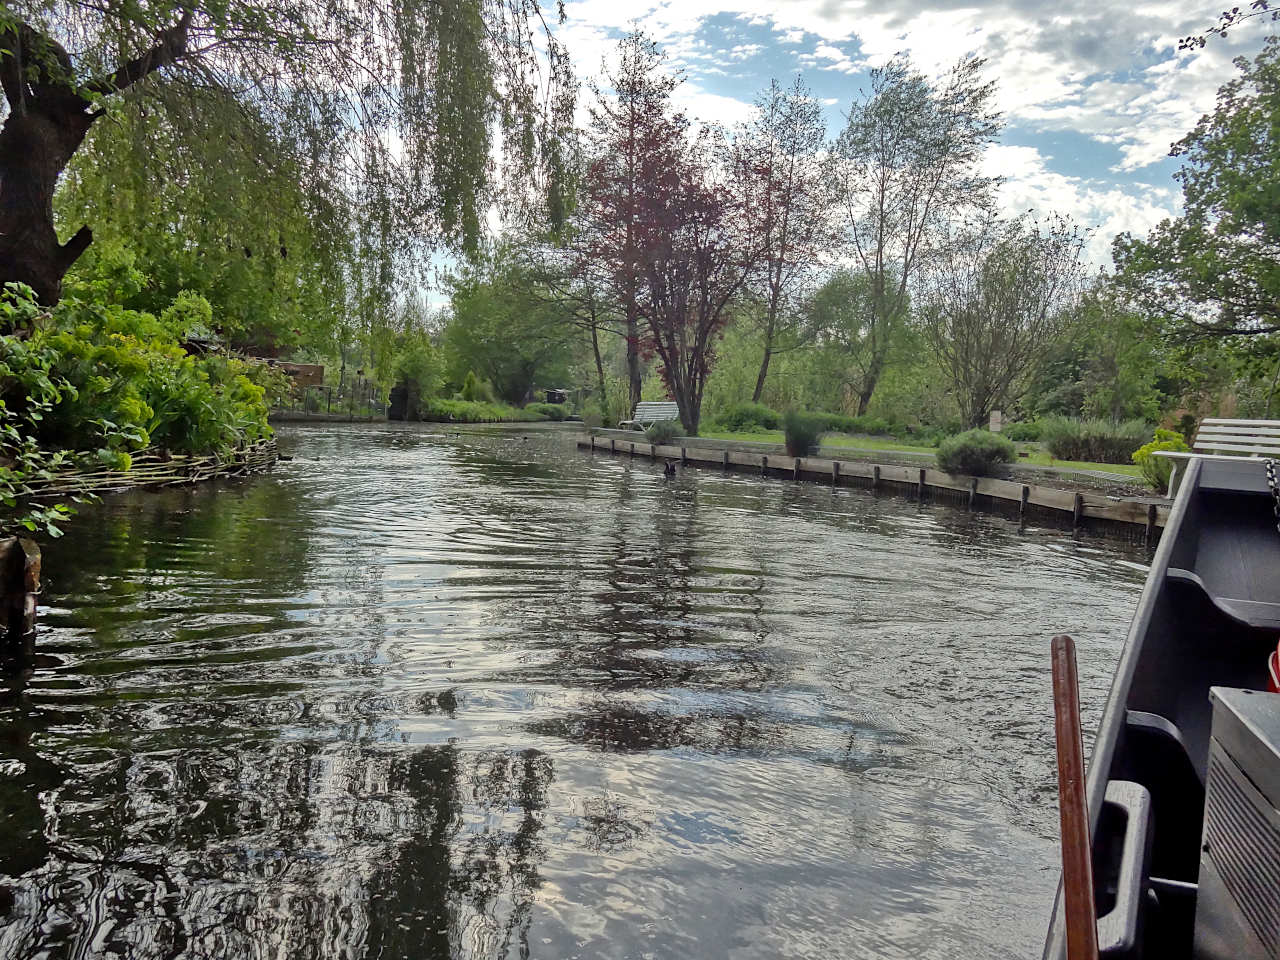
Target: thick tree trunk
pixel 49 116
pixel 35 147
pixel 868 388
pixel 633 362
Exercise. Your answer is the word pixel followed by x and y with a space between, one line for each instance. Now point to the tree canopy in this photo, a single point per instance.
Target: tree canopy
pixel 390 114
pixel 1215 270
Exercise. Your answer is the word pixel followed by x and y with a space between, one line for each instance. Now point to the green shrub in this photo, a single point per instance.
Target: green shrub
pixel 802 432
pixel 866 424
pixel 976 453
pixel 927 436
pixel 748 417
pixel 663 431
pixel 441 410
pixel 1156 470
pixel 1095 441
pixel 475 390
pixel 1027 431
pixel 549 411
pixel 88 381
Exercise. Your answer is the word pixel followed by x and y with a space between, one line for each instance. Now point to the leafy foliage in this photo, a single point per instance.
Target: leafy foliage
pixel 1216 268
pixel 1026 430
pixel 475 411
pixel 1095 441
pixel 780 159
pixel 92 382
pixel 907 163
pixel 549 411
pixel 503 333
pixel 1157 470
pixel 975 453
pixel 362 105
pixel 994 304
pixel 747 417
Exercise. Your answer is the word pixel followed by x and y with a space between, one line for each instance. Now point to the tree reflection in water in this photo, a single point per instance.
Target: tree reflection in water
pixel 482 697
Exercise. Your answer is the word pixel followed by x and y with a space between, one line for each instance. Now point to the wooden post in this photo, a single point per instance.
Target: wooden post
pixel 764 465
pixel 684 456
pixel 1022 503
pixel 1150 532
pixel 20 568
pixel 920 487
pixel 726 460
pixel 1077 512
pixel 633 449
pixel 875 477
pixel 973 491
pixel 653 451
pixel 835 473
pixel 613 445
pixel 1073 810
pixel 795 472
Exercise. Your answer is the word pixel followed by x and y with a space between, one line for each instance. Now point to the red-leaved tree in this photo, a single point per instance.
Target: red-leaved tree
pixel 627 121
pixel 696 251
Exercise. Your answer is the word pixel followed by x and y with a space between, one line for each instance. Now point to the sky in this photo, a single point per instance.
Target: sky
pixel 1093 94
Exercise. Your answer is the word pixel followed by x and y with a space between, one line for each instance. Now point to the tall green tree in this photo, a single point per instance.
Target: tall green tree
pixel 907 163
pixel 779 159
pixel 505 332
pixel 993 303
pixel 1215 270
pixel 406 94
pixel 204 214
pixel 840 318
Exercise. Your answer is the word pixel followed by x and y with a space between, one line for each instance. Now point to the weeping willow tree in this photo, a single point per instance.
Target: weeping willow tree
pixel 299 136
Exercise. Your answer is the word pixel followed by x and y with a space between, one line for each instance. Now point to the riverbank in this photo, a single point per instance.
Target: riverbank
pixel 1128 515
pixel 1111 479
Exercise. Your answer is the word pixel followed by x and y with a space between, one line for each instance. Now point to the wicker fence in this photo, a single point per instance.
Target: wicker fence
pixel 155 468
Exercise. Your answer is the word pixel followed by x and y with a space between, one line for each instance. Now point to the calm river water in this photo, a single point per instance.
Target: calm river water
pixel 423 696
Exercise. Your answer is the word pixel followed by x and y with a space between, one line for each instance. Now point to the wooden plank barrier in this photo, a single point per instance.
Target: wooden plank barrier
pixel 1074 507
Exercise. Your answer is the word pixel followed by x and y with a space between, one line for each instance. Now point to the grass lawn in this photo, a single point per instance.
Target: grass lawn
pixel 828 440
pixel 1041 458
pixel 1038 457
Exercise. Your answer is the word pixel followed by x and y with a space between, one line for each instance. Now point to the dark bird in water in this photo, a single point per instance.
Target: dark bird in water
pixel 669 469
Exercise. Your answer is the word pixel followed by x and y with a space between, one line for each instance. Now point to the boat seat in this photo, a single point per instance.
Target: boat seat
pixel 1157 757
pixel 1261 614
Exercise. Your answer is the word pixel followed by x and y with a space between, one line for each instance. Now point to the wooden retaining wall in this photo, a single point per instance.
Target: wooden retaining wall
pixel 1026 501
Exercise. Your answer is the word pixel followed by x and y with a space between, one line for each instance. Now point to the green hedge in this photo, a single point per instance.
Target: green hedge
pixel 749 417
pixel 475 411
pixel 1028 431
pixel 1094 441
pixel 663 431
pixel 549 411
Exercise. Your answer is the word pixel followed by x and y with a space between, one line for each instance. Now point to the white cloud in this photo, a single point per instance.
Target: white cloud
pixel 1109 70
pixel 1031 185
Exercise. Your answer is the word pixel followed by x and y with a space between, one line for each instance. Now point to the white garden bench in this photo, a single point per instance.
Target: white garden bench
pixel 1222 439
pixel 652 411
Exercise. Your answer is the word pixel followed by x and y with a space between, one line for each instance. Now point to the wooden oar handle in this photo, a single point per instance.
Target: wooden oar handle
pixel 1073 809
